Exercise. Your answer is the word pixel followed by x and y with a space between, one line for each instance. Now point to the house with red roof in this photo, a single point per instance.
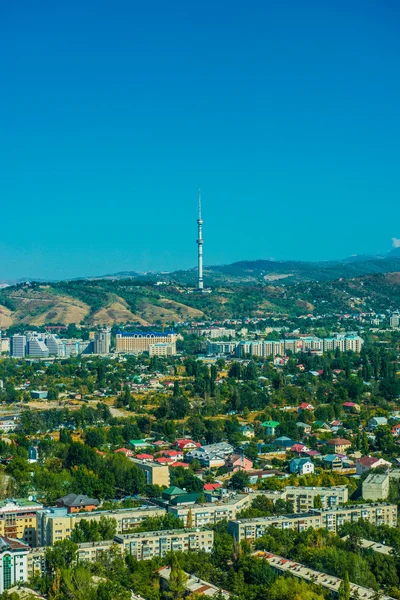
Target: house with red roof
pixel 145 456
pixel 305 406
pixel 184 444
pixel 125 451
pixel 173 454
pixel 351 407
pixel 298 448
pixel 211 487
pixel 396 430
pixel 163 460
pixel 178 463
pixel 238 462
pixel 366 463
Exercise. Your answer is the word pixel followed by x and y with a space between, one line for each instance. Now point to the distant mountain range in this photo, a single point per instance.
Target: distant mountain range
pixel 256 271
pixel 243 289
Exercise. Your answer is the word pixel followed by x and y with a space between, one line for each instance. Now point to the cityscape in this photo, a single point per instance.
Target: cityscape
pixel 200 301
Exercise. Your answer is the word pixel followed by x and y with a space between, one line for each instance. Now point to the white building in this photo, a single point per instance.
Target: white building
pixel 18 346
pixel 13 562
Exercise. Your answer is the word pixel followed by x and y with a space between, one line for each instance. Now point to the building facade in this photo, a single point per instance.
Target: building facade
pixel 144 546
pixel 13 563
pixel 138 342
pixel 330 519
pixel 102 341
pixel 56 524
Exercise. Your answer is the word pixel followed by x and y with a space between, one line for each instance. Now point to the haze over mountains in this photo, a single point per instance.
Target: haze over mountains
pixel 269 270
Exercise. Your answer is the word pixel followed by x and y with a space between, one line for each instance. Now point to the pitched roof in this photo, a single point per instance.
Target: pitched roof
pixel 77 500
pixel 338 442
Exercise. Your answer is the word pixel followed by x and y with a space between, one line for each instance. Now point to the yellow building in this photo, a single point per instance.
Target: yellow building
pixel 19 519
pixel 155 474
pixel 56 524
pixel 138 342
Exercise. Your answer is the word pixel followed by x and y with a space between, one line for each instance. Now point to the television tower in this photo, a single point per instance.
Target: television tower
pixel 200 245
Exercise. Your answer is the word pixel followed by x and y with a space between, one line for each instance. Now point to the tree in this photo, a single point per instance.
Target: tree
pixel 177 581
pixel 240 480
pixel 61 556
pixel 318 501
pixel 344 588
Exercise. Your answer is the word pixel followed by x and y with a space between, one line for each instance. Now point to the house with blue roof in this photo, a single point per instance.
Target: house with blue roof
pixel 301 466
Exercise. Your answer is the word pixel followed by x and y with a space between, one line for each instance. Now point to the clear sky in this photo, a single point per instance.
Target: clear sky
pixel 287 114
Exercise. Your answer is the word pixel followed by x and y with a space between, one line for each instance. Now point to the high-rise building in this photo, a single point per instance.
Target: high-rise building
pixel 36 346
pixel 54 345
pixel 18 346
pixel 200 284
pixel 138 342
pixel 102 341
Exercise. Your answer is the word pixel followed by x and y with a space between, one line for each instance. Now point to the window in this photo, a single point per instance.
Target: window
pixel 7 571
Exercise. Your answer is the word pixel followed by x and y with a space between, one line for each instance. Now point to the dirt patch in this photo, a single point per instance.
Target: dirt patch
pixel 117 312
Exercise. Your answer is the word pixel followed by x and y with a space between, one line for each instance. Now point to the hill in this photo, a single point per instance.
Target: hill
pixel 114 302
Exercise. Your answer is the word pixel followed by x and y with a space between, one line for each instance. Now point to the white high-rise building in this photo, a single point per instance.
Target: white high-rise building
pixel 36 346
pixel 54 345
pixel 18 346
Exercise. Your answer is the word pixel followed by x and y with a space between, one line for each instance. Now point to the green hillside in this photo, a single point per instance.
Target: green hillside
pixel 106 301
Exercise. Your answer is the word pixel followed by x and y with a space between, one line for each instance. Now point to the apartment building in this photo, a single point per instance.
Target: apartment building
pixel 56 524
pixel 36 346
pixel 144 546
pixel 214 347
pixel 162 349
pixel 303 497
pixel 138 342
pixel 102 341
pixel 329 518
pixel 13 562
pixel 267 348
pixel 154 473
pixel 19 518
pixel 211 513
pixel 55 345
pixel 18 346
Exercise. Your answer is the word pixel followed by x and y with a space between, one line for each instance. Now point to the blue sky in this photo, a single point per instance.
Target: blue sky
pixel 112 114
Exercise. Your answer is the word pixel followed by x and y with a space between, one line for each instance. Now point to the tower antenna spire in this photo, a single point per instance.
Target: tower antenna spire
pixel 200 245
pixel 199 202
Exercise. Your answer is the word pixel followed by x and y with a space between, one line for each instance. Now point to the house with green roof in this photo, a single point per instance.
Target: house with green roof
pixel 139 444
pixel 270 427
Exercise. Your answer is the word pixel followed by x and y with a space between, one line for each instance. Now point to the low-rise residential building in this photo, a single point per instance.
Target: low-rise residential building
pixel 376 486
pixel 332 462
pixel 238 462
pixel 303 498
pixel 329 518
pixel 155 473
pixel 301 466
pixel 144 546
pixel 19 519
pixel 77 502
pixel 194 585
pixel 339 445
pixel 270 427
pixel 377 422
pixel 211 513
pixel 284 566
pixel 57 524
pixel 366 463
